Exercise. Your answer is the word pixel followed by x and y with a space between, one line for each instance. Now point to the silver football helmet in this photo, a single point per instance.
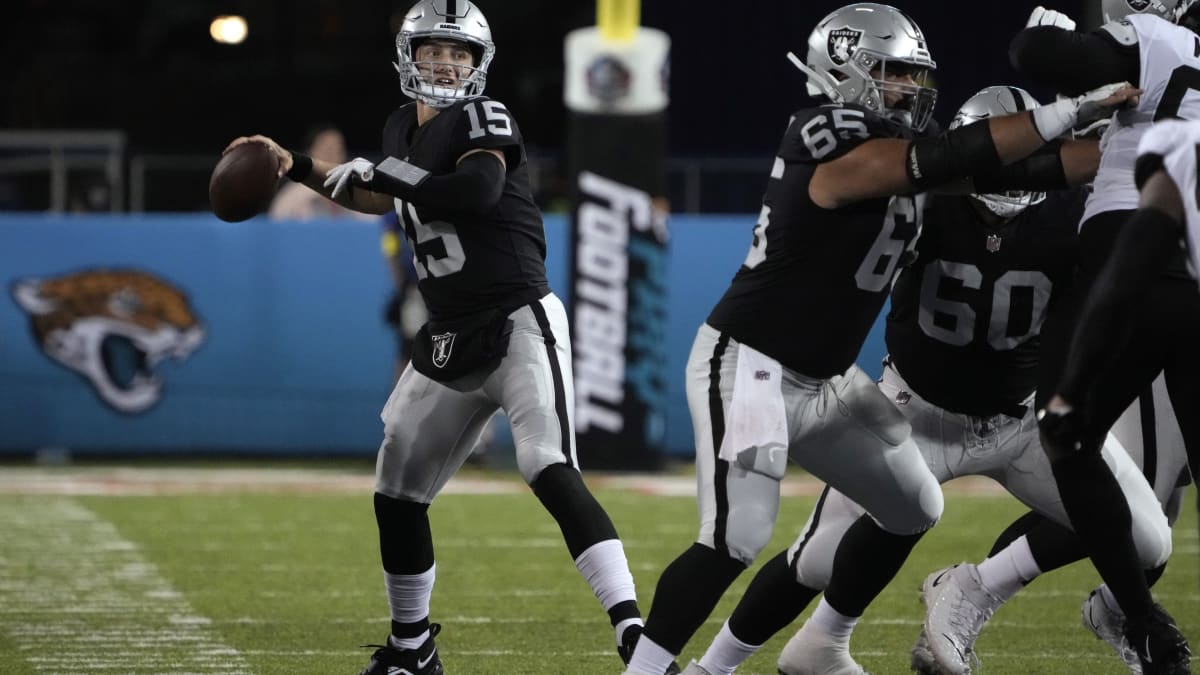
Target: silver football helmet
pixel 853 51
pixel 458 20
pixel 1171 10
pixel 994 102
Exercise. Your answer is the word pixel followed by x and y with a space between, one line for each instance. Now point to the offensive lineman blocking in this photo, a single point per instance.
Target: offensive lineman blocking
pixel 838 215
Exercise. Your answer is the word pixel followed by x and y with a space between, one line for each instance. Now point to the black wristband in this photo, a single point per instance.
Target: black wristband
pixel 955 154
pixel 301 167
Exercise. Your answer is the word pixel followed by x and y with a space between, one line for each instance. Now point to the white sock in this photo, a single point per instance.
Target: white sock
pixel 408 598
pixel 408 643
pixel 726 652
pixel 649 658
pixel 829 620
pixel 606 570
pixel 1007 572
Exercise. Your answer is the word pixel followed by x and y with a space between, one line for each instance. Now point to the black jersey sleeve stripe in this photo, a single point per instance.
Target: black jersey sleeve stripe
pixel 1016 94
pixel 716 414
pixel 560 392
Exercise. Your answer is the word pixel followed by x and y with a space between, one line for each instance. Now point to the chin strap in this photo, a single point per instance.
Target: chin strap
pixel 823 82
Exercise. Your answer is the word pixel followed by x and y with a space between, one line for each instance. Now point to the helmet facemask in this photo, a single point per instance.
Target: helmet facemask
pixel 458 21
pixel 419 79
pixel 994 102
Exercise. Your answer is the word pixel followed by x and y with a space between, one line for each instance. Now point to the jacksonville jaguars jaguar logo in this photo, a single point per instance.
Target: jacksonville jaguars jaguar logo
pixel 442 345
pixel 111 327
pixel 842 43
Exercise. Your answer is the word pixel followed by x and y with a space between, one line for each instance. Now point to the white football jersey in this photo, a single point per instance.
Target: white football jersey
pixel 1178 142
pixel 1170 83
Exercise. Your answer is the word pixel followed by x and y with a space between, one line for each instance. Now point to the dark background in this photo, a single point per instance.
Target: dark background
pixel 149 67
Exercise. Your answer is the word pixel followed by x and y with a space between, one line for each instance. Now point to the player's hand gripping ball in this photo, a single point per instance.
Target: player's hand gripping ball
pixel 243 182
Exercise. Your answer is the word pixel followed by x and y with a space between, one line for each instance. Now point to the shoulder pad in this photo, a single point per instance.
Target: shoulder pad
pixel 824 133
pixel 1121 31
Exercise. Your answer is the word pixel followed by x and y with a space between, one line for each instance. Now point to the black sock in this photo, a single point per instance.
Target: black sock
pixel 580 517
pixel 1053 545
pixel 623 610
pixel 865 562
pixel 1014 531
pixel 687 593
pixel 773 600
pixel 1101 519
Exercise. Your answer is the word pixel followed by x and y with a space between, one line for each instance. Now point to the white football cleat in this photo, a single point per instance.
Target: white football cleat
pixel 812 651
pixel 921 657
pixel 1107 622
pixel 694 668
pixel 957 607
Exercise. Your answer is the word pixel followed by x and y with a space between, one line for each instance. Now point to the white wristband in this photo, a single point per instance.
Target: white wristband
pixel 1055 119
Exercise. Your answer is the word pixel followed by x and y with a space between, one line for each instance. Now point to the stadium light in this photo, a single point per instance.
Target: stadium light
pixel 228 30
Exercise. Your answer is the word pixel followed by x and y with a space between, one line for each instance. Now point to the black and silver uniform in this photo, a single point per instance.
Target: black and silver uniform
pixel 470 262
pixel 815 279
pixel 964 328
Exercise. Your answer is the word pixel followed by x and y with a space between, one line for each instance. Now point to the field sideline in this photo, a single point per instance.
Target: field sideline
pixel 217 570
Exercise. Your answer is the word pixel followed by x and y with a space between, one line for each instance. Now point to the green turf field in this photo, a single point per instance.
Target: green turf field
pixel 287 581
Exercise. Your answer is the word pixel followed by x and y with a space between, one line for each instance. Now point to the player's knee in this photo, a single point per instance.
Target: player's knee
pixel 920 510
pixel 1152 538
pixel 747 532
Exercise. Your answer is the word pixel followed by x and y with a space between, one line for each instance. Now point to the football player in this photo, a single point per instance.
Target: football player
pixel 967 310
pixel 1155 45
pixel 771 373
pixel 456 173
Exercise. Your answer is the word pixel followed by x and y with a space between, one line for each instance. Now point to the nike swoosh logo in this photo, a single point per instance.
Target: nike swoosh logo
pixel 937 581
pixel 1148 658
pixel 421 663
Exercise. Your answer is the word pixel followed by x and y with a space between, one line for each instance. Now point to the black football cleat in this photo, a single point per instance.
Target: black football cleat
pixel 1160 646
pixel 423 660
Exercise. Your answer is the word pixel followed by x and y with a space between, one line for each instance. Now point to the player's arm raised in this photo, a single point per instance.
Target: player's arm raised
pixel 311 172
pixel 1052 54
pixel 882 167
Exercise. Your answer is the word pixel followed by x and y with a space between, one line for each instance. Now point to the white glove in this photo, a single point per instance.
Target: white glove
pixel 1055 119
pixel 1049 17
pixel 341 174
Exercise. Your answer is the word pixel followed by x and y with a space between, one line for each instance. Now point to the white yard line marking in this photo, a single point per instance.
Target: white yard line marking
pixel 116 480
pixel 75 597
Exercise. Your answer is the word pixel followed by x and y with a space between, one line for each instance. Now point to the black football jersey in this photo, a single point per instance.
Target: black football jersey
pixel 815 279
pixel 469 262
pixel 964 328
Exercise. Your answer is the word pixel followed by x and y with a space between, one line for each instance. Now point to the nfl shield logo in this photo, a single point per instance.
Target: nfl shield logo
pixel 442 344
pixel 1138 5
pixel 993 243
pixel 842 43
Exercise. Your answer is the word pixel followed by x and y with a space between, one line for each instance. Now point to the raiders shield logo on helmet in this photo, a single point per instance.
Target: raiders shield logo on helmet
pixel 842 43
pixel 442 344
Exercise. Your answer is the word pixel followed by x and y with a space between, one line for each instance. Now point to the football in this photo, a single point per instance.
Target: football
pixel 243 182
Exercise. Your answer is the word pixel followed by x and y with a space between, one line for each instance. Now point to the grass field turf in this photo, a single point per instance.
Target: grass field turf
pixel 284 581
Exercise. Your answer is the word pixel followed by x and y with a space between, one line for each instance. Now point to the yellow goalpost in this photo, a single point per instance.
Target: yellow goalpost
pixel 617 20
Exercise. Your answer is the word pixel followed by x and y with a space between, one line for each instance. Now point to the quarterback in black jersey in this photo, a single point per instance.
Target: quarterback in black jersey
pixel 963 340
pixel 771 374
pixel 455 172
pixel 1155 45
